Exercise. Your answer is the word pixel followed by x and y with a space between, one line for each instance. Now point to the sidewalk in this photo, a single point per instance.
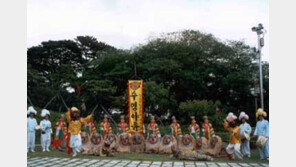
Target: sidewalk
pixel 76 162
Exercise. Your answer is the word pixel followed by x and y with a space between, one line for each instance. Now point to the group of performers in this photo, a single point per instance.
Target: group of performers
pixel 239 144
pixel 240 135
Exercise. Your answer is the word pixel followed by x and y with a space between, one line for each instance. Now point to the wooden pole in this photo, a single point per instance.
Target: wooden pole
pixel 50 101
pixel 63 101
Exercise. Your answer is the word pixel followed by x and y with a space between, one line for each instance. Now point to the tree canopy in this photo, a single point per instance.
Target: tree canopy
pixel 185 72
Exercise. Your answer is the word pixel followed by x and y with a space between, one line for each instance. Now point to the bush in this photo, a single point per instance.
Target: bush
pixel 200 108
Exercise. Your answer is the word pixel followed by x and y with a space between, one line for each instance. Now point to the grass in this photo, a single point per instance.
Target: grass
pixel 139 156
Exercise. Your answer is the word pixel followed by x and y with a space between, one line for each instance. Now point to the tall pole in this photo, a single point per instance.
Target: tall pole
pixel 260 71
pixel 260 30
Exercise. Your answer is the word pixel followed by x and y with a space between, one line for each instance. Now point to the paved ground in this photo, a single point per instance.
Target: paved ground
pixel 76 162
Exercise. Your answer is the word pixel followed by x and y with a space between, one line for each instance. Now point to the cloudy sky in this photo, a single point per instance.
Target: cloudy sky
pixel 128 23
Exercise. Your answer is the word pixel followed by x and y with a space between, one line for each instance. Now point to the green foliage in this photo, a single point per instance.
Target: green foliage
pixel 158 101
pixel 185 72
pixel 200 108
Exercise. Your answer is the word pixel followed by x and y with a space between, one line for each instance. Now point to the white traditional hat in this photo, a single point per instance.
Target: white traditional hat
pixel 231 117
pixel 243 115
pixel 31 110
pixel 44 112
pixel 261 141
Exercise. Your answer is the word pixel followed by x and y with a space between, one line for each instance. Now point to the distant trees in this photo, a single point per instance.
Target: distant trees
pixel 183 71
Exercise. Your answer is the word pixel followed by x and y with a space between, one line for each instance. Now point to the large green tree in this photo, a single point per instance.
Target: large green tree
pixel 182 70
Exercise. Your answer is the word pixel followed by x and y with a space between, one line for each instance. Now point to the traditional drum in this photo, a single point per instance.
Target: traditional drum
pixel 152 143
pixel 245 135
pixel 261 141
pixel 166 144
pixel 124 142
pixel 186 142
pixel 138 143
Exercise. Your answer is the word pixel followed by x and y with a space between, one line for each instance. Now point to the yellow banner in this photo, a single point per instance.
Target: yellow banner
pixel 136 105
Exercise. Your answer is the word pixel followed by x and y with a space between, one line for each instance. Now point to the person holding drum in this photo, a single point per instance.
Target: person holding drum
pixel 262 132
pixel 245 131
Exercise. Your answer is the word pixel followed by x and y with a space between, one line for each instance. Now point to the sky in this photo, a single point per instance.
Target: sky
pixel 128 23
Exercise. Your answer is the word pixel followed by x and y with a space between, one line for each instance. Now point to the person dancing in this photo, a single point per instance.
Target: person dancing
pixel 233 148
pixel 75 121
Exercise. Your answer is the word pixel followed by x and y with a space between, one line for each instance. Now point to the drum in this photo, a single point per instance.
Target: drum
pixel 245 135
pixel 261 141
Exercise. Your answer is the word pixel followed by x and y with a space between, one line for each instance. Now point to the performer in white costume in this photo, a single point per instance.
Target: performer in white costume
pixel 245 130
pixel 31 125
pixel 262 130
pixel 45 126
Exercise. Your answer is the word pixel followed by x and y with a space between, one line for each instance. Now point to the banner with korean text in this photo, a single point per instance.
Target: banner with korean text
pixel 136 105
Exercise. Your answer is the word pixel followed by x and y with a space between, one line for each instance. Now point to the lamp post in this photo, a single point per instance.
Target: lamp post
pixel 260 33
pixel 255 91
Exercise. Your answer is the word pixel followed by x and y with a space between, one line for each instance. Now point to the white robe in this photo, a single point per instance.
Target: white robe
pixel 262 129
pixel 245 127
pixel 45 126
pixel 31 124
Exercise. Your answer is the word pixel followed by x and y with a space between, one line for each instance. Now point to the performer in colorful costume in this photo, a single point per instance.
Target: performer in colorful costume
pixel 234 145
pixel 45 126
pixel 194 128
pixel 245 128
pixel 122 126
pixel 105 127
pixel 31 128
pixel 153 127
pixel 262 129
pixel 74 120
pixel 207 129
pixel 60 132
pixel 89 127
pixel 175 128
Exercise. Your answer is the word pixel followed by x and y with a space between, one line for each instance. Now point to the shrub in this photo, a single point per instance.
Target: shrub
pixel 199 108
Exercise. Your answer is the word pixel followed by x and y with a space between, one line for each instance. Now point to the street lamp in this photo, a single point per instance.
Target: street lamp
pixel 260 33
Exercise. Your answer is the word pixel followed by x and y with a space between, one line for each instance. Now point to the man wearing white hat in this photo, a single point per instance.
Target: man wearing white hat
pixel 45 126
pixel 31 125
pixel 262 130
pixel 233 147
pixel 245 131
